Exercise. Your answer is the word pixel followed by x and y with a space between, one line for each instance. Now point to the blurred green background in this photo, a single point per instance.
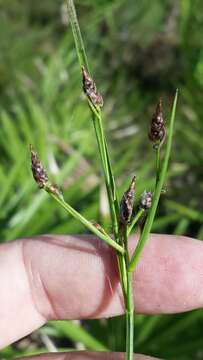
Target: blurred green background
pixel 138 51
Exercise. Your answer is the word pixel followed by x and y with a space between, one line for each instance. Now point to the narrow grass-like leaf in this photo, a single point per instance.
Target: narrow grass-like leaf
pixel 77 333
pixel 185 211
pixel 147 327
pixel 178 326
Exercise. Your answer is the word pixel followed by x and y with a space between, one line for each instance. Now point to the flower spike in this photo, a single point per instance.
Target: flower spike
pixel 157 130
pixel 127 201
pixel 90 89
pixel 38 171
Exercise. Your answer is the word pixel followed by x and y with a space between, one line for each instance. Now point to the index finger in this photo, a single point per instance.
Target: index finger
pixel 72 277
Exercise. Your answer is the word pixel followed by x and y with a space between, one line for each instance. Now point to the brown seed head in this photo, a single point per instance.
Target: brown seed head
pixel 127 201
pixel 146 200
pixel 38 170
pixel 157 130
pixel 90 89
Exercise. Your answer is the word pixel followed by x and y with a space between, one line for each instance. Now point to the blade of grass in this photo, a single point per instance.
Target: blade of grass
pixel 147 327
pixel 77 333
pixel 11 179
pixel 185 211
pixel 181 227
pixel 177 327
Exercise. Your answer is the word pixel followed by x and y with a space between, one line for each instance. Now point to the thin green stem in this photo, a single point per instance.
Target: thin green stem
pixel 87 224
pixel 129 319
pixel 129 303
pixel 112 196
pixel 97 118
pixel 102 150
pixel 112 181
pixel 82 57
pixel 122 266
pixel 163 173
pixel 123 259
pixel 135 220
pixel 158 163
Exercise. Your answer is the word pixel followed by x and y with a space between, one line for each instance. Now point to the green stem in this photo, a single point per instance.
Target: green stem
pixel 111 191
pixel 157 164
pixel 129 303
pixel 122 266
pixel 157 193
pixel 96 114
pixel 135 220
pixel 110 186
pixel 112 196
pixel 82 57
pixel 88 224
pixel 107 175
pixel 129 319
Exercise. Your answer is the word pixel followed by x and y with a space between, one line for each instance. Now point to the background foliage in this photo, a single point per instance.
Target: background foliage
pixel 138 51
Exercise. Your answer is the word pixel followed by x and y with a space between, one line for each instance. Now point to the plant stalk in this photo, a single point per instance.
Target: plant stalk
pixel 102 146
pixel 87 223
pixel 120 213
pixel 158 163
pixel 129 302
pixel 129 318
pixel 161 179
pixel 135 220
pixel 79 44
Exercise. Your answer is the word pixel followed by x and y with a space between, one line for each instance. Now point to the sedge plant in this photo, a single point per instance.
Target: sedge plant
pixel 124 218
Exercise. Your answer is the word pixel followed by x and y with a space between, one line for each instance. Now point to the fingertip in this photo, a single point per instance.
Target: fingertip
pixel 17 310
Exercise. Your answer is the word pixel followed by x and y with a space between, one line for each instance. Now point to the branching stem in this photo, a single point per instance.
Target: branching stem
pixel 121 231
pixel 87 224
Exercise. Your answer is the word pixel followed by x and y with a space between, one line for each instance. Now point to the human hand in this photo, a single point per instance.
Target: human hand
pixel 75 277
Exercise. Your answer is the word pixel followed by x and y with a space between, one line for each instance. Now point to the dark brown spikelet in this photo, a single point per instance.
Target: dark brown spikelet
pixel 38 170
pixel 146 200
pixel 157 129
pixel 90 89
pixel 127 201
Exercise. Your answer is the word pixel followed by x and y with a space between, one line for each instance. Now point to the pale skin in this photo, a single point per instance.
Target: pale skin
pixel 75 277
